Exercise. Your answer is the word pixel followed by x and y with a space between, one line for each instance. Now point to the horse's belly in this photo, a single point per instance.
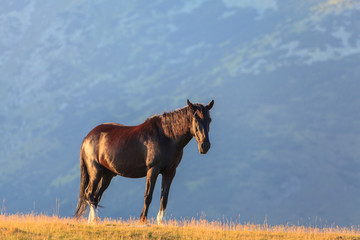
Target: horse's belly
pixel 126 168
pixel 132 173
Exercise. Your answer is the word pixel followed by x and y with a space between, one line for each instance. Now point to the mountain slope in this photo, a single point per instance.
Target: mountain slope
pixel 284 76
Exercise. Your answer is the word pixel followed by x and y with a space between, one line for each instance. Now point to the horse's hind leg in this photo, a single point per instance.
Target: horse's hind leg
pixel 95 175
pixel 103 184
pixel 100 179
pixel 94 179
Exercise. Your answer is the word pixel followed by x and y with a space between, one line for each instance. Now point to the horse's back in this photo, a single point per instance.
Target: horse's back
pixel 104 128
pixel 113 124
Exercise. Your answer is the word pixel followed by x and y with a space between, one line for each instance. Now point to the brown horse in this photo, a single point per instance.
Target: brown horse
pixel 149 149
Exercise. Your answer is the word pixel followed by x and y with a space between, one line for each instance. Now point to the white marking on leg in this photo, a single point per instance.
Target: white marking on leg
pixel 161 217
pixel 93 214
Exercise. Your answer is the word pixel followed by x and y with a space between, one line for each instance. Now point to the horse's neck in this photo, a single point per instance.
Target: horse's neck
pixel 183 140
pixel 176 126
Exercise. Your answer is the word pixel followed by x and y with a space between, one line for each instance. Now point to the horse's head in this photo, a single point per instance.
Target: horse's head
pixel 200 125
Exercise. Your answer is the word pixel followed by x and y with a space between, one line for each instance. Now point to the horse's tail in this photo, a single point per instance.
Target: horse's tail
pixel 84 181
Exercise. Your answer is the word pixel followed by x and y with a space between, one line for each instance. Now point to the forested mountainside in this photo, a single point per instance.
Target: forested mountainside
pixel 284 76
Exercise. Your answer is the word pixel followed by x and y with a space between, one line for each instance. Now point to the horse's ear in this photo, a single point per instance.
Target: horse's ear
pixel 210 105
pixel 191 106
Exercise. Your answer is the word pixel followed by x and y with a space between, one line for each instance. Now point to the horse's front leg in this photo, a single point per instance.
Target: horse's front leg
pixel 165 188
pixel 151 177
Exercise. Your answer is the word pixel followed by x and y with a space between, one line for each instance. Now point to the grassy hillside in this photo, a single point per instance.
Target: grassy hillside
pixel 45 227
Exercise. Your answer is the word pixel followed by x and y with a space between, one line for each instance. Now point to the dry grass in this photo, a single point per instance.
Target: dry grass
pixel 51 227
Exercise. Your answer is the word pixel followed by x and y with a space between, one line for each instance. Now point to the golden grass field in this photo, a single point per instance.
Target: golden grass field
pixel 52 227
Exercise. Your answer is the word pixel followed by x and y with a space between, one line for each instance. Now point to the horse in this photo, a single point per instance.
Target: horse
pixel 146 150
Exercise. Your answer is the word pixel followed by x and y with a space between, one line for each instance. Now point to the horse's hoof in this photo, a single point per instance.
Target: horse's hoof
pixel 161 223
pixel 161 217
pixel 143 221
pixel 94 220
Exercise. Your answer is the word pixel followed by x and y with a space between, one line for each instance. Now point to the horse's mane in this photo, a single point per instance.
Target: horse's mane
pixel 174 123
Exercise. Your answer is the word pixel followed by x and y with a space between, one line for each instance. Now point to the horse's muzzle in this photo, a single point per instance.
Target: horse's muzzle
pixel 204 147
